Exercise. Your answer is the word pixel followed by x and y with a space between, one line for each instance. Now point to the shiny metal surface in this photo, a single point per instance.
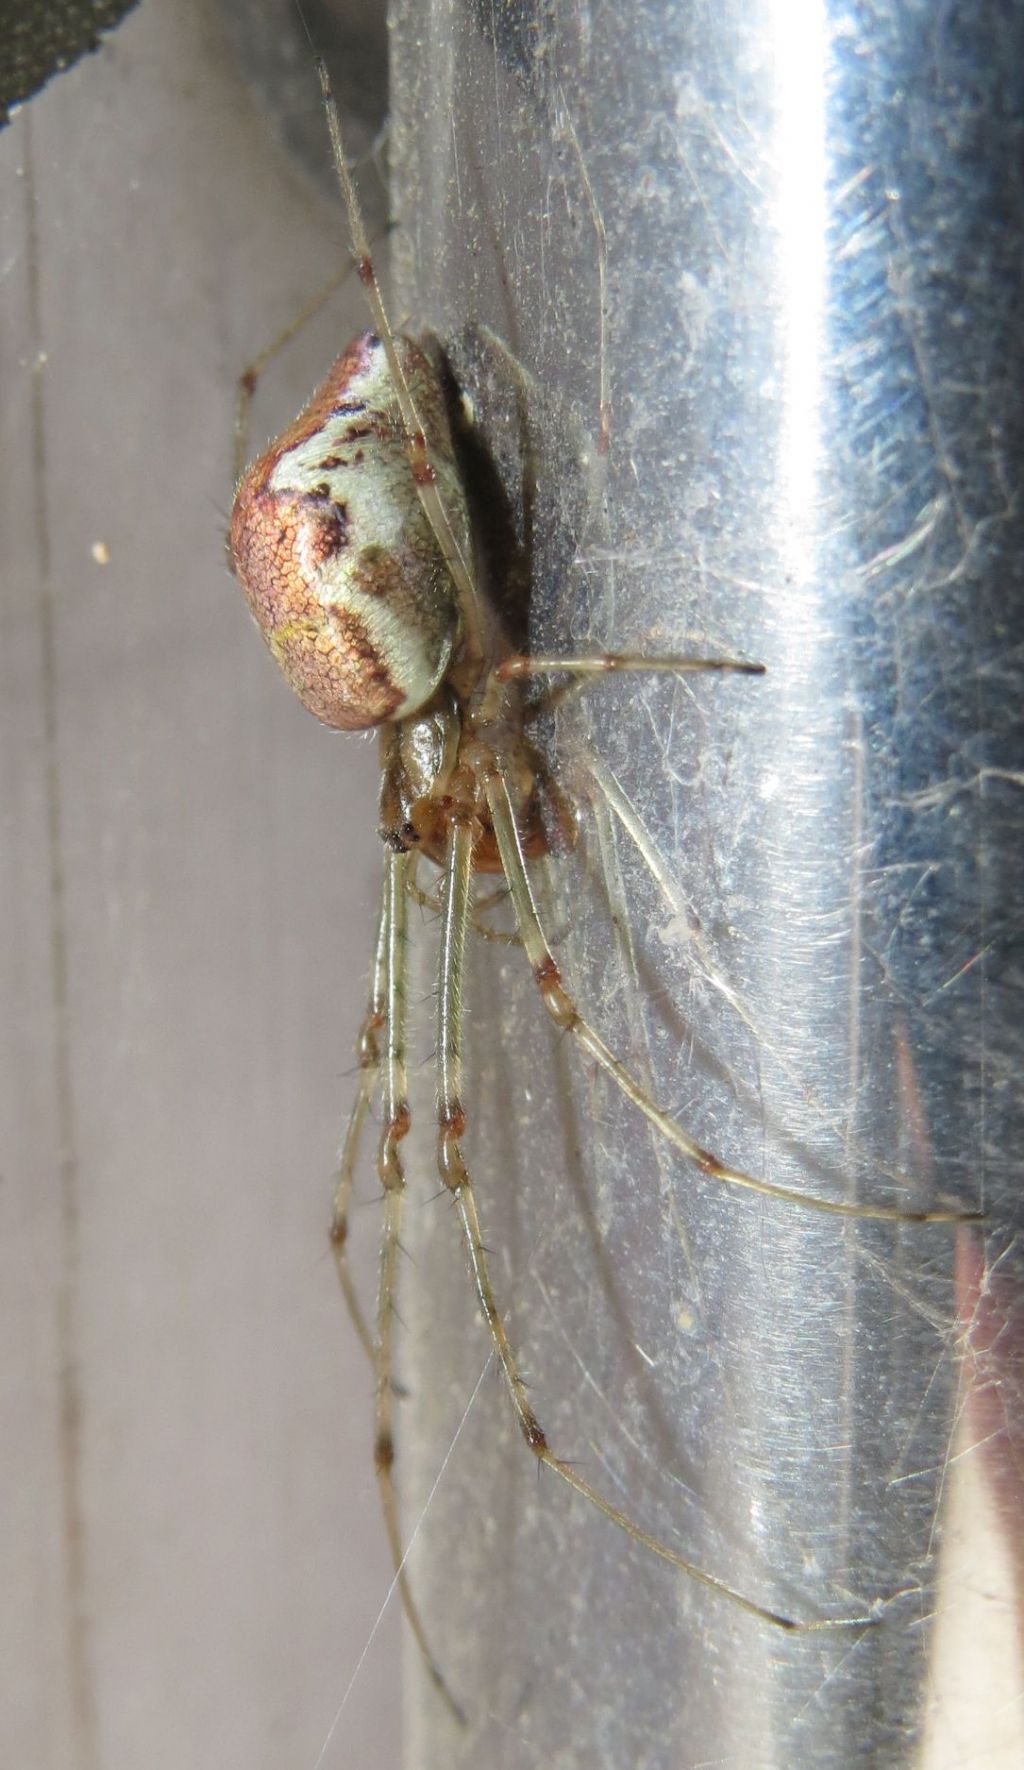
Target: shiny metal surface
pixel 813 349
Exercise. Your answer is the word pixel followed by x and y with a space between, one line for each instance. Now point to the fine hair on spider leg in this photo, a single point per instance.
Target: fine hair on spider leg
pixel 352 540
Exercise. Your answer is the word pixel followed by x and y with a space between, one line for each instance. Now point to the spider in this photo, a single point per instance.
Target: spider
pixel 351 538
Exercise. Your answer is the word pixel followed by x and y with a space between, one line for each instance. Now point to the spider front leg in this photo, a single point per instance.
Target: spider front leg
pixel 249 379
pixel 455 1174
pixel 424 472
pixel 518 666
pixel 391 961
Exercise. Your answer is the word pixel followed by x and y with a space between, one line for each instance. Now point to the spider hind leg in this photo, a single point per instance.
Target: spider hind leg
pixel 455 1173
pixel 564 1012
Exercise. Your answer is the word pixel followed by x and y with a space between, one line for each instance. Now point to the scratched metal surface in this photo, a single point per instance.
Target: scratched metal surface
pixel 189 1552
pixel 814 224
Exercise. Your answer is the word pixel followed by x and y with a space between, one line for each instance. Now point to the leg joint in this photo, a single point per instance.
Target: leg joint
pixel 534 1433
pixel 560 1007
pixel 388 1165
pixel 450 1160
pixel 556 1001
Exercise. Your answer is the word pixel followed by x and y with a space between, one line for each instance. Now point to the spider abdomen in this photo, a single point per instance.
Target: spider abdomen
pixel 331 545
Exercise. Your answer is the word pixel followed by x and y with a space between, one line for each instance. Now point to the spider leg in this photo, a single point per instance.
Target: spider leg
pixel 455 1174
pixel 565 1014
pixel 368 1059
pixel 248 380
pixel 567 125
pixel 517 666
pixel 430 900
pixel 603 789
pixel 423 472
pixel 396 1117
pixel 503 936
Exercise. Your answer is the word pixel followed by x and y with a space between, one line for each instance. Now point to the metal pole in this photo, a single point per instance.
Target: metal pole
pixel 808 334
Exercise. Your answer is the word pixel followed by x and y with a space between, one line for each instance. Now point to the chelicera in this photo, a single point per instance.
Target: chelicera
pixel 352 541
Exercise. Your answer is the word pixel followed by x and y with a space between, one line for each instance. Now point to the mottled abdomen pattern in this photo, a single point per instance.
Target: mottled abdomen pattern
pixel 332 548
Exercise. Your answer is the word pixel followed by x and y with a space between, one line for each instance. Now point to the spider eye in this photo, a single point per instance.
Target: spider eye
pixel 400 840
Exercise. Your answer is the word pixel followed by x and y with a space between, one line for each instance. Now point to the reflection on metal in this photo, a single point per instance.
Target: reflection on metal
pixel 813 357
